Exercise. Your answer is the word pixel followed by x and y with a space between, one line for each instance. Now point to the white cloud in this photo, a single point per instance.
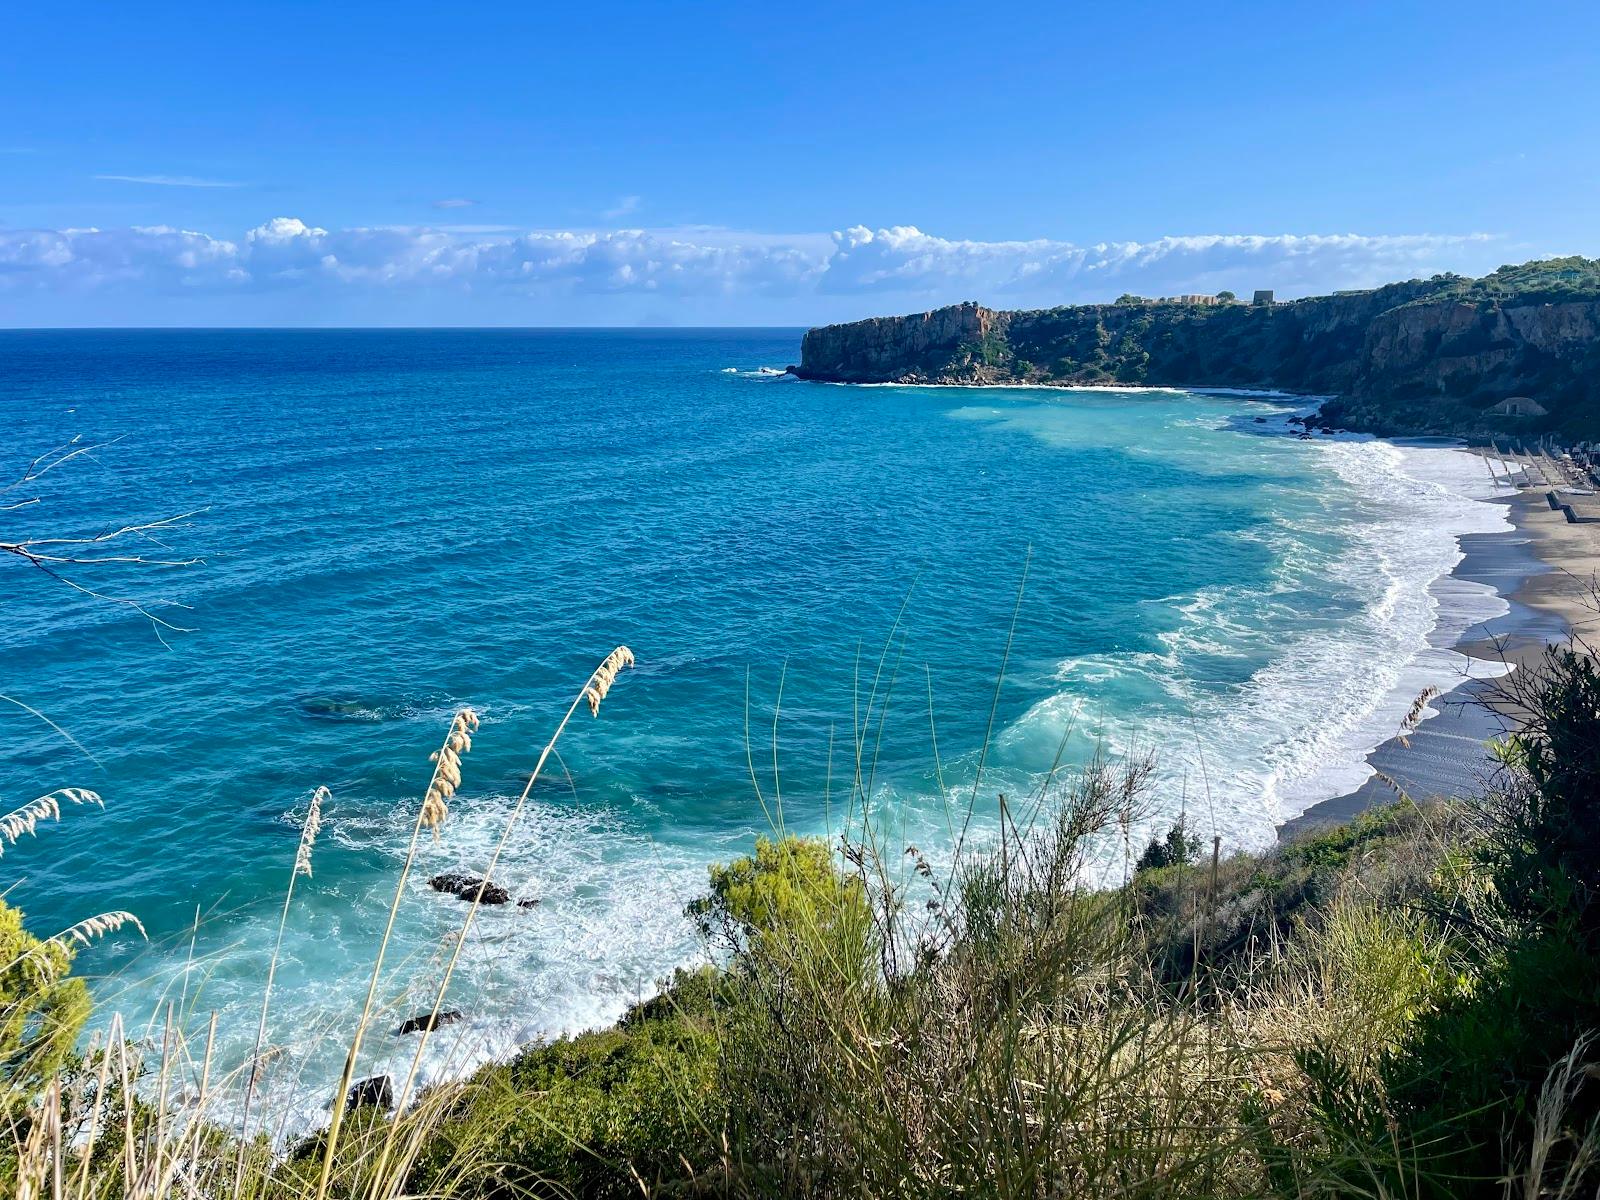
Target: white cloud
pixel 749 275
pixel 457 203
pixel 903 258
pixel 623 207
pixel 187 181
pixel 141 256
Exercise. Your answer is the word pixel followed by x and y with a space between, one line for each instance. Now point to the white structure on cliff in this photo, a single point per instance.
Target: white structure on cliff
pixel 1519 406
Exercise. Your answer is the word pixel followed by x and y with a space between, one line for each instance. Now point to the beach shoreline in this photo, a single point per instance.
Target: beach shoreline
pixel 1545 569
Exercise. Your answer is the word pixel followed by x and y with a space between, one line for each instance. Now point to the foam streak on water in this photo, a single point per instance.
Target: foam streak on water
pixel 400 523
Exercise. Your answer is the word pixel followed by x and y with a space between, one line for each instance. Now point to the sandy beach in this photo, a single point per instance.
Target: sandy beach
pixel 1547 570
pixel 1571 552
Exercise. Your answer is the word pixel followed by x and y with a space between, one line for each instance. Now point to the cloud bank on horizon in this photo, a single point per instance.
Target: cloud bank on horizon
pixel 285 266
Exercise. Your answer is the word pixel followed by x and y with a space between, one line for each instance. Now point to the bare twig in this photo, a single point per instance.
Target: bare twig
pixel 118 545
pixel 46 462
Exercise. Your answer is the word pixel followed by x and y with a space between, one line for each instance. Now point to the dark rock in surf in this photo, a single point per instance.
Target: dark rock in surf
pixel 530 903
pixel 470 887
pixel 427 1021
pixel 377 1092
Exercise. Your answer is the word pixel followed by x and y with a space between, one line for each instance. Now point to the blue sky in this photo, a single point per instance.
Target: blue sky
pixel 605 163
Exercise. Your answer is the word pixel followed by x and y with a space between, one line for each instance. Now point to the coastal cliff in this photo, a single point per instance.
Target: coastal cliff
pixel 1425 356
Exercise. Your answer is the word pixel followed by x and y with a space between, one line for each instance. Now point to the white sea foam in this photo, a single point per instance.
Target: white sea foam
pixel 608 928
pixel 1298 731
pixel 765 374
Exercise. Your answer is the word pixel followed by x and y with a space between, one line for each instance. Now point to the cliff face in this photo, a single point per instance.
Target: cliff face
pixel 882 349
pixel 1424 356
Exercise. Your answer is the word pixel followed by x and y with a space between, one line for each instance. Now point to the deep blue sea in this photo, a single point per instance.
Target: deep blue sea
pixel 394 524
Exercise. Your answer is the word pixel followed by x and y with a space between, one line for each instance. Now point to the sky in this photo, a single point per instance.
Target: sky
pixel 755 164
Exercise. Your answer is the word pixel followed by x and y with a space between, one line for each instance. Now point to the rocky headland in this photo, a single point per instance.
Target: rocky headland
pixel 1516 352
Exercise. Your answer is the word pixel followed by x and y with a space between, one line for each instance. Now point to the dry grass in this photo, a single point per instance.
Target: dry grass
pixel 431 813
pixel 25 820
pixel 89 1135
pixel 93 928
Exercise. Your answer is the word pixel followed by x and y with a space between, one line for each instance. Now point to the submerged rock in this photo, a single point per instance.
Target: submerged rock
pixel 470 887
pixel 531 902
pixel 427 1021
pixel 375 1092
pixel 334 708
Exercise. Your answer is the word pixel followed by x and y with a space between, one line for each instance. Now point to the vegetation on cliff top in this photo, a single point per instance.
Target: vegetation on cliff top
pixel 1430 355
pixel 1545 281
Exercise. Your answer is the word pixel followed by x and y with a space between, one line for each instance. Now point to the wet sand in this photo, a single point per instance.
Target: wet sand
pixel 1546 570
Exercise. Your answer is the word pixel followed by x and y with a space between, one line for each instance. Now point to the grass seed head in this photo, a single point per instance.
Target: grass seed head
pixel 1413 716
pixel 447 769
pixel 308 832
pixel 434 810
pixel 86 931
pixel 25 820
pixel 605 675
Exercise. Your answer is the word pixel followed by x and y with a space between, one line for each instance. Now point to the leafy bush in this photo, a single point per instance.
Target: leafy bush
pixel 787 905
pixel 1180 846
pixel 1478 1066
pixel 42 1011
pixel 592 1115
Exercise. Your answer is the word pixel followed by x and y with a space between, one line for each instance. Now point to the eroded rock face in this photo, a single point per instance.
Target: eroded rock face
pixel 1409 357
pixel 883 349
pixel 468 887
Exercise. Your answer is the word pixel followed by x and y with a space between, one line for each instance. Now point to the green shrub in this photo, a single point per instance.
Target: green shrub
pixel 42 1011
pixel 591 1115
pixel 1181 845
pixel 1467 1080
pixel 788 904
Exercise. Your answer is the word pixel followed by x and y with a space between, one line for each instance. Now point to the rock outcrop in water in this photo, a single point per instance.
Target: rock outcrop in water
pixel 470 887
pixel 377 1092
pixel 427 1021
pixel 1442 355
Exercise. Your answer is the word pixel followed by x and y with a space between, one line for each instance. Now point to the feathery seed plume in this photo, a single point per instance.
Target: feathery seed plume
pixel 87 930
pixel 1413 717
pixel 46 808
pixel 447 769
pixel 308 833
pixel 605 675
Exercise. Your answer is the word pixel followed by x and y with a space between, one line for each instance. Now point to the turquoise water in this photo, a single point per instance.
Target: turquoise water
pixel 394 524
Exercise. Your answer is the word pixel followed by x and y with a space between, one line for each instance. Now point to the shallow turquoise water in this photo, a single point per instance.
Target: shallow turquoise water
pixel 399 523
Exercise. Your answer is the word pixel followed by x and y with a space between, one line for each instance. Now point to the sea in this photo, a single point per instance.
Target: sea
pixel 900 599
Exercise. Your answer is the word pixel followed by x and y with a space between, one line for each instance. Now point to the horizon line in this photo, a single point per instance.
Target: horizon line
pixel 391 328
